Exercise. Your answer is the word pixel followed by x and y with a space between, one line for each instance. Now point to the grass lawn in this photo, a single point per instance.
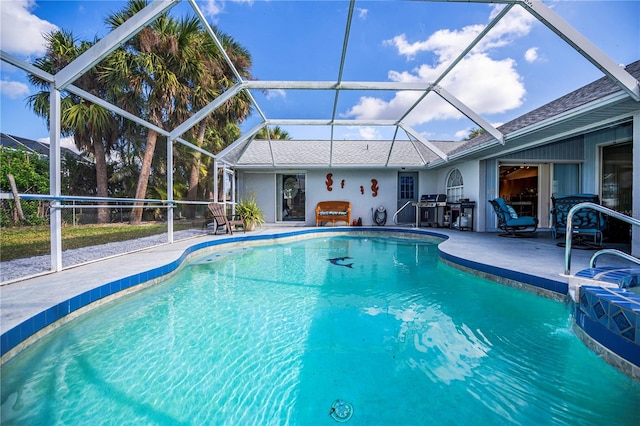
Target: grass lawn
pixel 28 241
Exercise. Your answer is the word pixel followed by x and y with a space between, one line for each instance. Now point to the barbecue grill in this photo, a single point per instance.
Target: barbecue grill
pixel 431 209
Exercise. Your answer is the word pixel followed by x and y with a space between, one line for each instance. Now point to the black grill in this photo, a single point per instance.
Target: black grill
pixel 431 208
pixel 433 200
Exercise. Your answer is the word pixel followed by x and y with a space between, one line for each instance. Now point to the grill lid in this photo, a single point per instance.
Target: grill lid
pixel 438 198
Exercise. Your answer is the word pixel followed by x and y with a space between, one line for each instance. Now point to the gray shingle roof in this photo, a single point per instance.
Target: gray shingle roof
pixel 16 142
pixel 582 96
pixel 401 153
pixel 406 153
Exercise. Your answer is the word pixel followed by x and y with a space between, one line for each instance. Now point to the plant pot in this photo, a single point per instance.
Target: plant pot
pixel 250 226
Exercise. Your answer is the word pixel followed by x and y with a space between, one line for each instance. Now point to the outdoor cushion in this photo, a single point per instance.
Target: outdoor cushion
pixel 510 222
pixel 512 212
pixel 522 221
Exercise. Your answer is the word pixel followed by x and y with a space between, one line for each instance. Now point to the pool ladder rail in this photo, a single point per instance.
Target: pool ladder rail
pixel 395 215
pixel 610 276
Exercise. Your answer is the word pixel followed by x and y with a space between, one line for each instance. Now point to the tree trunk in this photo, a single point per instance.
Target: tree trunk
pixel 102 184
pixel 143 180
pixel 194 175
pixel 16 197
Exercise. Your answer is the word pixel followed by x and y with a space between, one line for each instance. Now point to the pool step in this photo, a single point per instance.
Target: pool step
pixel 606 276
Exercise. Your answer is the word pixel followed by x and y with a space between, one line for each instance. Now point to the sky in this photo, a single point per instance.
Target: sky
pixel 519 66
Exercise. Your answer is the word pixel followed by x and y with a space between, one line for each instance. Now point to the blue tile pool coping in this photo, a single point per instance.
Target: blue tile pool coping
pixel 611 316
pixel 18 334
pixel 521 277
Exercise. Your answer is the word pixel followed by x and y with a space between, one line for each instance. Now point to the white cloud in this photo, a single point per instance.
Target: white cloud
pixel 362 13
pixel 484 84
pixel 275 93
pixel 446 44
pixel 13 89
pixel 531 55
pixel 22 32
pixel 461 134
pixel 213 8
pixel 357 132
pixel 369 133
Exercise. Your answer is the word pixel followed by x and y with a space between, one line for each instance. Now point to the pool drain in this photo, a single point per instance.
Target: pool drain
pixel 341 411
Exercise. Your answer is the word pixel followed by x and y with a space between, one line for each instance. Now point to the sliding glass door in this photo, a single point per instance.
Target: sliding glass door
pixel 290 197
pixel 616 186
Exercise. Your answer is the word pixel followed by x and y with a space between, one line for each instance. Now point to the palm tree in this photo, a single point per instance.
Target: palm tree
pixel 217 78
pixel 275 133
pixel 93 127
pixel 147 76
pixel 475 133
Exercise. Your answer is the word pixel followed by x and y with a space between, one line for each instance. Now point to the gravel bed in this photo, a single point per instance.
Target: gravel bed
pixel 21 268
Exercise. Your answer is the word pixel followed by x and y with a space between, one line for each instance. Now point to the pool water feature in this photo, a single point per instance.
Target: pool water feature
pixel 278 334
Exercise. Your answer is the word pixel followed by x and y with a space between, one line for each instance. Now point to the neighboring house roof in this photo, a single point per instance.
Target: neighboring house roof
pixel 16 142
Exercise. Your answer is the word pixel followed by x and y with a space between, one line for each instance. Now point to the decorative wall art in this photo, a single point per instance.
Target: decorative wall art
pixel 374 187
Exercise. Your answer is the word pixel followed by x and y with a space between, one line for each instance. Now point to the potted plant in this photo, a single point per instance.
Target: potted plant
pixel 251 213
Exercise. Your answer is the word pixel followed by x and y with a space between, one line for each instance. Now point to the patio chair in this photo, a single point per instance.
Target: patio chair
pixel 220 217
pixel 586 222
pixel 510 222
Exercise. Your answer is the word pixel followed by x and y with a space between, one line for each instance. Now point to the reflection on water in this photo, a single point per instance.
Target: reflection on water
pixel 450 352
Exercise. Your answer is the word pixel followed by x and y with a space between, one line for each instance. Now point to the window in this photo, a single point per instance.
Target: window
pixel 407 187
pixel 455 186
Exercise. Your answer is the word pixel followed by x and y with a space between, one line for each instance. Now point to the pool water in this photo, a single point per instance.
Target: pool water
pixel 278 334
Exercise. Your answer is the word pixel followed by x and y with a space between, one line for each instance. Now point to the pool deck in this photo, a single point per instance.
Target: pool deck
pixel 538 256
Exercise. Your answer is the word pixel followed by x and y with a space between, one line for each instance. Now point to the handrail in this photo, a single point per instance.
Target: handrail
pixel 615 252
pixel 9 196
pixel 569 234
pixel 395 215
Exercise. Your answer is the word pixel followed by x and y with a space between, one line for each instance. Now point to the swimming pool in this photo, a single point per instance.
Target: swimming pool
pixel 278 333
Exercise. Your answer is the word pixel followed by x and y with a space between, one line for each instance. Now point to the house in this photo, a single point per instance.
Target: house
pixel 35 147
pixel 582 142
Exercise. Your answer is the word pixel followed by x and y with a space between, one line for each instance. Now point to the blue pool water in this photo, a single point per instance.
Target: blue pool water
pixel 277 334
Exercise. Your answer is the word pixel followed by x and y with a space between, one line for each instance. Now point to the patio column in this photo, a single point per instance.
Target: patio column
pixel 635 189
pixel 215 180
pixel 170 190
pixel 55 212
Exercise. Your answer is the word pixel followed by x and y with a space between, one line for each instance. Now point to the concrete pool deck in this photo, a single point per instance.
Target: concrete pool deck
pixel 538 256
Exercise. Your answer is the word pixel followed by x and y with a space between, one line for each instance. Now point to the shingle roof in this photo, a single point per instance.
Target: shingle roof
pixel 401 153
pixel 582 96
pixel 16 142
pixel 406 153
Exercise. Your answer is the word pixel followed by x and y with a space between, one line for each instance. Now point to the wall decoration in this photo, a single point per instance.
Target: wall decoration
pixel 342 184
pixel 362 189
pixel 374 187
pixel 329 182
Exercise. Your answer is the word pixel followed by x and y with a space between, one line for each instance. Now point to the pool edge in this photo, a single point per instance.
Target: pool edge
pixel 18 338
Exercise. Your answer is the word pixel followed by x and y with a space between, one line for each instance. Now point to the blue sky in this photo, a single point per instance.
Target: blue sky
pixel 520 66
